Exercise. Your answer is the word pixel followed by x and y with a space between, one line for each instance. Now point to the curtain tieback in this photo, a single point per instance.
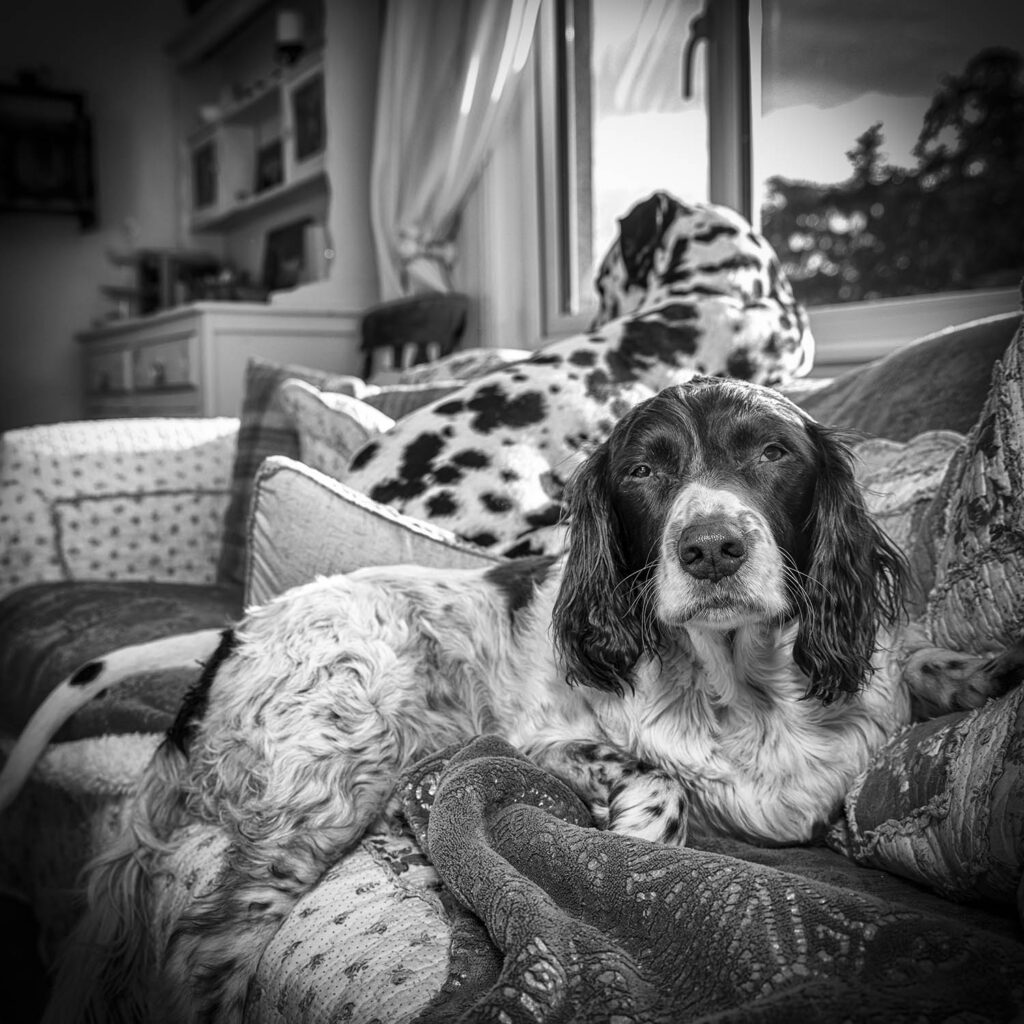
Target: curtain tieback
pixel 426 263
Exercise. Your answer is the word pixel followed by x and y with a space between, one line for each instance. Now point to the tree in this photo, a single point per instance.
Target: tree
pixel 955 220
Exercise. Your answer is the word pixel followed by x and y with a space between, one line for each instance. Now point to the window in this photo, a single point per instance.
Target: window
pixel 890 174
pixel 879 172
pixel 615 127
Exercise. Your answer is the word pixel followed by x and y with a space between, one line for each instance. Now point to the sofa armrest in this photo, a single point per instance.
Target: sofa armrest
pixel 304 524
pixel 129 499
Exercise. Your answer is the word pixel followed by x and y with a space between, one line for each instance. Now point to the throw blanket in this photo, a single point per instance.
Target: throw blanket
pixel 587 926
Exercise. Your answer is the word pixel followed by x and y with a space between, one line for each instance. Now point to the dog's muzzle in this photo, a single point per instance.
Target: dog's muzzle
pixel 711 549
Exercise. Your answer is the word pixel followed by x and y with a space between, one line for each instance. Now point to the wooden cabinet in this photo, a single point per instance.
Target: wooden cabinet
pixel 190 361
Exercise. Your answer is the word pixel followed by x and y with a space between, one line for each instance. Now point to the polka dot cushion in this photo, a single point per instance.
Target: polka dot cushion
pixel 139 499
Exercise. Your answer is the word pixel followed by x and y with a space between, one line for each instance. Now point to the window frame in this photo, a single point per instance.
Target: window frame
pixel 846 334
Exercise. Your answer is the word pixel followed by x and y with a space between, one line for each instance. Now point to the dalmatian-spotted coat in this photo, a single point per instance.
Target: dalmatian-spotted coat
pixel 684 290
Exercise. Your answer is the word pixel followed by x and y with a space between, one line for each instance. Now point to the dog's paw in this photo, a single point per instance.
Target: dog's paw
pixel 941 681
pixel 650 805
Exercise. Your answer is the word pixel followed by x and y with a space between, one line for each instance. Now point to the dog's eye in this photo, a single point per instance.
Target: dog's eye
pixel 640 470
pixel 772 452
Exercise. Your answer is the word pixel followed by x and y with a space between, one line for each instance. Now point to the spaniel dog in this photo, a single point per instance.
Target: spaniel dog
pixel 720 651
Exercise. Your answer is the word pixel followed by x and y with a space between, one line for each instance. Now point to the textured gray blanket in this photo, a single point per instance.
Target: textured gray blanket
pixel 585 925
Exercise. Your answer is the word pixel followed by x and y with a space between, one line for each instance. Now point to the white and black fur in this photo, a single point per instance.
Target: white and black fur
pixel 719 652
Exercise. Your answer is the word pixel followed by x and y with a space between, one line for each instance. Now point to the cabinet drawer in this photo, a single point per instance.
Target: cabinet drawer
pixel 160 365
pixel 106 373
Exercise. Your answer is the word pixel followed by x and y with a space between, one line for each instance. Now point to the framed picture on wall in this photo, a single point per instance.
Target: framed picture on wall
pixel 45 152
pixel 204 175
pixel 269 166
pixel 284 255
pixel 308 114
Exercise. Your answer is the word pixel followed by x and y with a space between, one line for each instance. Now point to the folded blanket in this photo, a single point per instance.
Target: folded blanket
pixel 594 926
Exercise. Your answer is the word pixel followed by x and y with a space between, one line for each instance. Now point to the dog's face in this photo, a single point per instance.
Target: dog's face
pixel 718 504
pixel 713 487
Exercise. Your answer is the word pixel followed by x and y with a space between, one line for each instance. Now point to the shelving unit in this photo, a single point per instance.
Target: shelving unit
pixel 261 150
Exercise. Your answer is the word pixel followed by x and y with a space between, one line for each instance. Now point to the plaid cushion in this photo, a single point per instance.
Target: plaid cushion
pixel 265 429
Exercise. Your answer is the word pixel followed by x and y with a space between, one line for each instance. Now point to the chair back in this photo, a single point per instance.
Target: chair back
pixel 416 329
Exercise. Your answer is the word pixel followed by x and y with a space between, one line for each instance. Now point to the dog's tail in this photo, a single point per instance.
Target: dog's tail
pixel 106 971
pixel 89 681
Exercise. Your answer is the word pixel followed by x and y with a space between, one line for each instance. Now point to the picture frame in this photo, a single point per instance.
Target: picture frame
pixel 204 175
pixel 308 116
pixel 46 159
pixel 284 255
pixel 269 166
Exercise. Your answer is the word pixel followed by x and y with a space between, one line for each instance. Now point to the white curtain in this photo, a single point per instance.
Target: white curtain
pixel 449 73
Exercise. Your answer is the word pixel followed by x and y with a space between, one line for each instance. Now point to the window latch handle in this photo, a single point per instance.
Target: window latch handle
pixel 700 31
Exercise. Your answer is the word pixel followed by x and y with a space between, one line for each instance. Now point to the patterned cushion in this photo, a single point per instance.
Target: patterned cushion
pixel 47 630
pixel 943 805
pixel 331 427
pixel 369 942
pixel 974 531
pixel 265 429
pixel 116 499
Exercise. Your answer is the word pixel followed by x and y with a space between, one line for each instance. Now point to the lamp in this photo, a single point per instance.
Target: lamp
pixel 288 37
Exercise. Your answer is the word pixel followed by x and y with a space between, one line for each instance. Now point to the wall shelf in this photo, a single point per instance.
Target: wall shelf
pixel 263 202
pixel 264 148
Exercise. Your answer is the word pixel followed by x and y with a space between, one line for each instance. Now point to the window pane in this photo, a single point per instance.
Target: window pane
pixel 891 145
pixel 623 130
pixel 645 135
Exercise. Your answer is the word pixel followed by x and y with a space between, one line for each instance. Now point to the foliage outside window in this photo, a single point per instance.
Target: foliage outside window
pixel 953 220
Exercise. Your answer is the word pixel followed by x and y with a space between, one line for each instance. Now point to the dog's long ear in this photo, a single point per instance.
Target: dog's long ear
pixel 640 233
pixel 855 581
pixel 597 620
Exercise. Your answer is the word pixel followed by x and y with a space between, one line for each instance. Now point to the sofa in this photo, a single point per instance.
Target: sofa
pixel 498 900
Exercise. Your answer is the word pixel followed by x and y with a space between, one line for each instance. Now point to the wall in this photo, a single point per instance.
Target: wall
pixel 52 272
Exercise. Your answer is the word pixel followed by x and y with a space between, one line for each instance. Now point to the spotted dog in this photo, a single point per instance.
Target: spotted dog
pixel 684 290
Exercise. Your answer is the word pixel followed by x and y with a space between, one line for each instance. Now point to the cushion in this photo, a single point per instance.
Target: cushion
pixel 886 398
pixel 943 805
pixel 138 499
pixel 370 942
pixel 973 532
pixel 48 629
pixel 304 524
pixel 331 427
pixel 900 481
pixel 265 429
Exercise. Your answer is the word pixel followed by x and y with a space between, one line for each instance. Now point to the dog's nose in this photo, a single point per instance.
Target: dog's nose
pixel 711 549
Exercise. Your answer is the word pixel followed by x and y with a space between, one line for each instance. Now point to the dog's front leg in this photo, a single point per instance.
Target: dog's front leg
pixel 589 768
pixel 621 793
